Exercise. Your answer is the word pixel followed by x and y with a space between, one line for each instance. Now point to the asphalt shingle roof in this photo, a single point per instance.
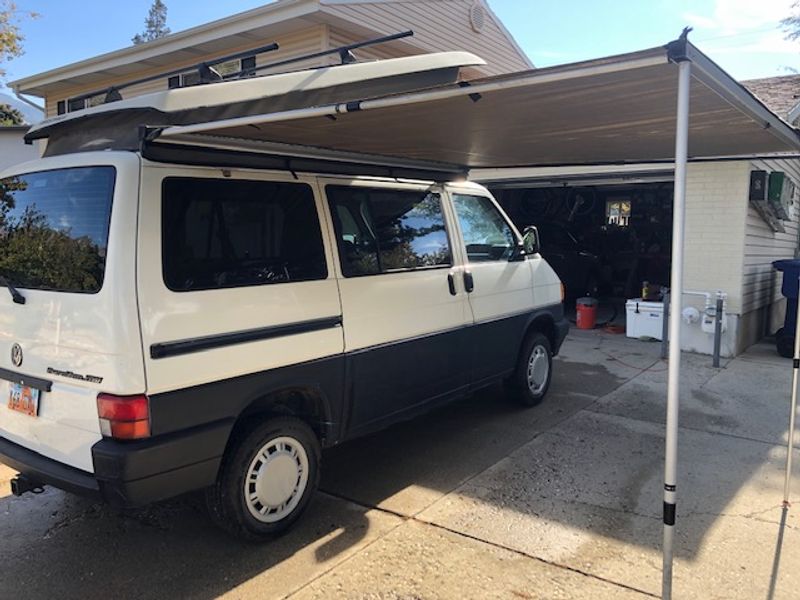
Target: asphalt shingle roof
pixel 780 94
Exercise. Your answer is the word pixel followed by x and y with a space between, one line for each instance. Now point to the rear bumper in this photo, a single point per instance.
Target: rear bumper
pixel 47 471
pixel 132 473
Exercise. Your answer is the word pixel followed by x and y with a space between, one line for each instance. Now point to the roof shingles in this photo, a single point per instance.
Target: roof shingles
pixel 781 94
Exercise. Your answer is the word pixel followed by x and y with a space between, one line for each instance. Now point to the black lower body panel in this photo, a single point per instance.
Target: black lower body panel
pixel 132 473
pixel 46 471
pixel 362 391
pixel 139 472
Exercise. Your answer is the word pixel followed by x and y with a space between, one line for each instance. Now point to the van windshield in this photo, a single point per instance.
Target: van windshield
pixel 54 228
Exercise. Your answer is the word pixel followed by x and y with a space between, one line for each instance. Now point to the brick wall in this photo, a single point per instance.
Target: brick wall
pixel 716 210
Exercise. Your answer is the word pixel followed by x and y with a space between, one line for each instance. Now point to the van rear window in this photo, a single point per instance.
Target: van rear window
pixel 222 233
pixel 54 228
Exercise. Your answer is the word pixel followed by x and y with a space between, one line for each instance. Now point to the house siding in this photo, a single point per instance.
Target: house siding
pixel 297 43
pixel 439 26
pixel 761 283
pixel 716 206
pixel 13 149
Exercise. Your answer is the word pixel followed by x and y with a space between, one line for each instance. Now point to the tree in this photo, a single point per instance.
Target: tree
pixel 10 116
pixel 155 25
pixel 10 36
pixel 791 24
pixel 10 47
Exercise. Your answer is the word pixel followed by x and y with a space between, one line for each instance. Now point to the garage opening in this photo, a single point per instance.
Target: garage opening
pixel 607 239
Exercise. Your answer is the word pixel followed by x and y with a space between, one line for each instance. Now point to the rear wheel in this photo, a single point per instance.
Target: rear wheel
pixel 266 479
pixel 531 379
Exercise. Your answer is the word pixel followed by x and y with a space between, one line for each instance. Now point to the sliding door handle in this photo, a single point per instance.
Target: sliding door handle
pixel 451 284
pixel 469 283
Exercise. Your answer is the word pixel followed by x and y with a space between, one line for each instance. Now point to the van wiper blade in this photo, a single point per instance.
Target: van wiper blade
pixel 18 298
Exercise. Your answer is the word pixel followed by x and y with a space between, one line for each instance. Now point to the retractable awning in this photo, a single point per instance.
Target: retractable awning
pixel 609 110
pixel 665 103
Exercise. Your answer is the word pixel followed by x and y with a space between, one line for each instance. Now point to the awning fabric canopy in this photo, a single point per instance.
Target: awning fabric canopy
pixel 617 109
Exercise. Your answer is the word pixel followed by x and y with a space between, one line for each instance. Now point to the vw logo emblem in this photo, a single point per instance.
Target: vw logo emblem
pixel 16 355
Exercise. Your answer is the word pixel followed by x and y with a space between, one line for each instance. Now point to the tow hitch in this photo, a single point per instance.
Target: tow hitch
pixel 21 484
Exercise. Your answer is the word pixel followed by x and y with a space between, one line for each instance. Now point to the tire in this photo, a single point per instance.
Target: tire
pixel 531 379
pixel 283 450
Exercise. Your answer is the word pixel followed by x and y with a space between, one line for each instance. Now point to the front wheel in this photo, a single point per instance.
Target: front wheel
pixel 531 379
pixel 266 479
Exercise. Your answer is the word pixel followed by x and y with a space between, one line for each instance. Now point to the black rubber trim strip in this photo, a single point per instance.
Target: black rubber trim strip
pixel 43 385
pixel 179 347
pixel 216 157
pixel 796 363
pixel 669 513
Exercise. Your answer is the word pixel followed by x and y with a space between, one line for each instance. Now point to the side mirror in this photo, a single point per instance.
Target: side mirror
pixel 530 240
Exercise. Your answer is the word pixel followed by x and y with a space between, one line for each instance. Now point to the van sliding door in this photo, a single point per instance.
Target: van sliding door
pixel 405 316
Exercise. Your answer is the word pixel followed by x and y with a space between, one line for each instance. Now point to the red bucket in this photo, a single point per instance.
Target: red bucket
pixel 586 309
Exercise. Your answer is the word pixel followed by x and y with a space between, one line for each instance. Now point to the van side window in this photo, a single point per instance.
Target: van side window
pixel 383 230
pixel 222 233
pixel 487 235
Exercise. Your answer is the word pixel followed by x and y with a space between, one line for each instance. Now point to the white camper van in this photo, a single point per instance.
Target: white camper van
pixel 183 317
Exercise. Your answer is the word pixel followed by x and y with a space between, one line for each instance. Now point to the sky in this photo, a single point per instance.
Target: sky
pixel 743 36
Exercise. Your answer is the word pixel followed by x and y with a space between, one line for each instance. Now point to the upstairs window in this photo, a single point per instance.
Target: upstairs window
pixel 192 77
pixel 75 104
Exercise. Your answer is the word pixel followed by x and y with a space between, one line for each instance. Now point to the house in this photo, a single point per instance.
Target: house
pixel 13 149
pixel 300 27
pixel 622 213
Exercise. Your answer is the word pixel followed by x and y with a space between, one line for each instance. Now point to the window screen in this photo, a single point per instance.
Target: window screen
pixel 382 230
pixel 54 228
pixel 487 235
pixel 224 233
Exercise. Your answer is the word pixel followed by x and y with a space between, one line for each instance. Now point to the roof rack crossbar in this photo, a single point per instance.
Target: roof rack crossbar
pixel 344 52
pixel 112 92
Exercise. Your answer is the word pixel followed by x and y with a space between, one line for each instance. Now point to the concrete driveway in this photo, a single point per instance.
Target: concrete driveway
pixel 478 500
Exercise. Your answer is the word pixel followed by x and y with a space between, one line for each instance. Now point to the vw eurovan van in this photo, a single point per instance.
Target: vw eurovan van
pixel 172 325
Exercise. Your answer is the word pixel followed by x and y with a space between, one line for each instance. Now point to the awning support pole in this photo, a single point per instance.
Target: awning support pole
pixel 793 413
pixel 676 292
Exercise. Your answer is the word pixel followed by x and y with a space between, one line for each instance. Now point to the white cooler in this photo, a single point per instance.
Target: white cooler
pixel 644 319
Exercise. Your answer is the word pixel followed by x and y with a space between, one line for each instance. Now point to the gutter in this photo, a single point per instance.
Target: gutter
pixel 30 103
pixel 268 14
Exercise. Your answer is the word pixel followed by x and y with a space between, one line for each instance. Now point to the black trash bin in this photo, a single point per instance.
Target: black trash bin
pixel 784 337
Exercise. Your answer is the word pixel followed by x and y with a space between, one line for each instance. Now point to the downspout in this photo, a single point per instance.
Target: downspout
pixel 30 103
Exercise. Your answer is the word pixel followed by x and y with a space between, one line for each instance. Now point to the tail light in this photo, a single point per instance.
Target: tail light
pixel 563 292
pixel 124 417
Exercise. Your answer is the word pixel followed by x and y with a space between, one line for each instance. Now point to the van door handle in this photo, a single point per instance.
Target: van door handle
pixel 451 283
pixel 469 283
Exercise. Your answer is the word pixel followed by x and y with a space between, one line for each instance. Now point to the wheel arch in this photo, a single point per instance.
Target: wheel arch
pixel 541 322
pixel 306 402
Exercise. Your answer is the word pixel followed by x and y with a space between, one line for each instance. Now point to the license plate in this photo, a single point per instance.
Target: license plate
pixel 24 399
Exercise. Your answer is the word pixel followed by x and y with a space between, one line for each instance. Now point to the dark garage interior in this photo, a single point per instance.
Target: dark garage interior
pixel 604 239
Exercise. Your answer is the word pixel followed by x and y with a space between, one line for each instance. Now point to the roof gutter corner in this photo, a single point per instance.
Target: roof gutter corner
pixel 678 50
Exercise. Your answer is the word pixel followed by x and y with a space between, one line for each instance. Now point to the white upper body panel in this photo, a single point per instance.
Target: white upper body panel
pixel 84 343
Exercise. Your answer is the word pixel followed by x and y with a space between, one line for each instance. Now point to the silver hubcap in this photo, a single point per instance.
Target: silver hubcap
pixel 276 479
pixel 538 369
